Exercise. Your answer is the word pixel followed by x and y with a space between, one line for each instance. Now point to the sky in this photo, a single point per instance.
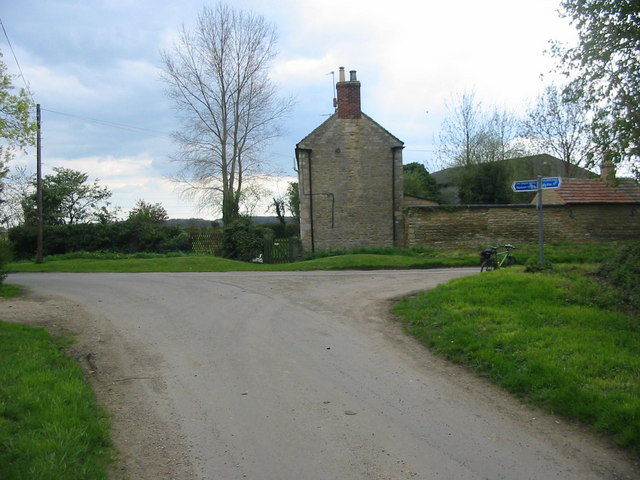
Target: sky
pixel 94 67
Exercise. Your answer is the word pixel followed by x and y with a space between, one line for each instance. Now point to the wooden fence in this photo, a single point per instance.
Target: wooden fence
pixel 281 250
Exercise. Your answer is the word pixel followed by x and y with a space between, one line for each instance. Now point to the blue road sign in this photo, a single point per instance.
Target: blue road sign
pixel 551 182
pixel 525 186
pixel 532 185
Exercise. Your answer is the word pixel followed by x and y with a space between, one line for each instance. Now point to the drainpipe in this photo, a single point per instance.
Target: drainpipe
pixel 394 151
pixel 310 194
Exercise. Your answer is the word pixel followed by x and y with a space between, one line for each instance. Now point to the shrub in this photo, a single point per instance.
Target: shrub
pixel 623 272
pixel 5 257
pixel 242 240
pixel 122 237
pixel 283 230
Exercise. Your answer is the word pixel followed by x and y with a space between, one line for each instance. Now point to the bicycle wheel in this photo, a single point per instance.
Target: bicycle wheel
pixel 510 260
pixel 487 265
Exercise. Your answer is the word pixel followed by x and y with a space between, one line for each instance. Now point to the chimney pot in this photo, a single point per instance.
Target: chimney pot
pixel 348 96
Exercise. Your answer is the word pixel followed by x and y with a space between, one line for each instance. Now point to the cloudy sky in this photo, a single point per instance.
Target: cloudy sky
pixel 94 67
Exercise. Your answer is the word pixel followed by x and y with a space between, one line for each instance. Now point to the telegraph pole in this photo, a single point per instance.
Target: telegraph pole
pixel 39 188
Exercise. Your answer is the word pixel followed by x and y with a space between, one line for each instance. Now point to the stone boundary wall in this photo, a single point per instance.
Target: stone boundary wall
pixel 477 226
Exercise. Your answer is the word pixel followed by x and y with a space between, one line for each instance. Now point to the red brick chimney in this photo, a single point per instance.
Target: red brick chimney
pixel 348 96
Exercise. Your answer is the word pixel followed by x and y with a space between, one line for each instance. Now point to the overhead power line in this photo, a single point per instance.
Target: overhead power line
pixel 26 84
pixel 108 123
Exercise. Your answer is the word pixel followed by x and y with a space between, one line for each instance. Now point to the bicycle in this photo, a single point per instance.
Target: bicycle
pixel 491 259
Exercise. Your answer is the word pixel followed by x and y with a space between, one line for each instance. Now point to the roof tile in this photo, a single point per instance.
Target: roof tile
pixel 575 190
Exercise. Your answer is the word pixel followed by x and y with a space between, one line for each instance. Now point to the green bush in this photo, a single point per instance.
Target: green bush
pixel 121 237
pixel 286 230
pixel 6 255
pixel 623 272
pixel 241 240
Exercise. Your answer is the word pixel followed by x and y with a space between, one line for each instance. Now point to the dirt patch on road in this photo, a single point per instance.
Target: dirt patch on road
pixel 127 384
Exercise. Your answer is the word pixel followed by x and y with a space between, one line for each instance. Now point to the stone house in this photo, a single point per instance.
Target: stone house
pixel 350 179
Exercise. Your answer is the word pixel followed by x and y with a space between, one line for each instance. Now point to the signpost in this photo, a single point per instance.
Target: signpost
pixel 539 185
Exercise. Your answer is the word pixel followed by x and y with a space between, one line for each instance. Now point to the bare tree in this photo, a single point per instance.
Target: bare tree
pixel 460 131
pixel 470 135
pixel 217 77
pixel 559 127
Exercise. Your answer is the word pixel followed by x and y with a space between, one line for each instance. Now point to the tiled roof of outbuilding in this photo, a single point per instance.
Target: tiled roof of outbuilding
pixel 574 190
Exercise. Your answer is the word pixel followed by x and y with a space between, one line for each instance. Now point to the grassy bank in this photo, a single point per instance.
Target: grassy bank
pixel 206 263
pixel 561 340
pixel 50 427
pixel 364 258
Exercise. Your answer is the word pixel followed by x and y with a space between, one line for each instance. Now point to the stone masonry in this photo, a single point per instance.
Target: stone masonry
pixel 478 226
pixel 350 179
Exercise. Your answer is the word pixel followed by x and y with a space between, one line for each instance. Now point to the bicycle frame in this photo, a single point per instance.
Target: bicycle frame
pixel 497 259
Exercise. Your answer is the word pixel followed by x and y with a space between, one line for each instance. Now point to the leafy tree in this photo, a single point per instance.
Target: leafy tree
pixel 149 213
pixel 17 185
pixel 604 68
pixel 17 130
pixel 559 127
pixel 278 205
pixel 293 201
pixel 242 240
pixel 67 198
pixel 418 182
pixel 218 79
pixel 485 183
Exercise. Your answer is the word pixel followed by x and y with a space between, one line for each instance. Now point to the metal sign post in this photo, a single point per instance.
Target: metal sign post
pixel 540 222
pixel 539 185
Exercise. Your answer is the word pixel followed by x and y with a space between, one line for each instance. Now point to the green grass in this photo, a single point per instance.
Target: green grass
pixel 50 427
pixel 204 263
pixel 559 340
pixel 8 291
pixel 363 258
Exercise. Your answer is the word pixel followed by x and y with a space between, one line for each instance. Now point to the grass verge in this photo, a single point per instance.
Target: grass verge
pixel 363 258
pixel 206 263
pixel 50 427
pixel 557 339
pixel 8 291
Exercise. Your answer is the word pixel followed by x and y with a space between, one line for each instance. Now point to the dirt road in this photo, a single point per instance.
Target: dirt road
pixel 277 376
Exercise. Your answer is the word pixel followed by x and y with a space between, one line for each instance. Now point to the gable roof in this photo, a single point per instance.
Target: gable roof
pixel 334 119
pixel 575 190
pixel 540 164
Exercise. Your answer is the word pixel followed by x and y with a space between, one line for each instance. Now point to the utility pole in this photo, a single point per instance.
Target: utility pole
pixel 39 188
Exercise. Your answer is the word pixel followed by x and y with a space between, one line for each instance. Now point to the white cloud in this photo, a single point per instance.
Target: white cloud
pixel 102 62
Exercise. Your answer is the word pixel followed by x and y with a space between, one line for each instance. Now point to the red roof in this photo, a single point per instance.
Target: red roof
pixel 623 190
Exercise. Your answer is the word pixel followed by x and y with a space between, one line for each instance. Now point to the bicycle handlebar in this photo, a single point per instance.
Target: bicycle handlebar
pixel 508 246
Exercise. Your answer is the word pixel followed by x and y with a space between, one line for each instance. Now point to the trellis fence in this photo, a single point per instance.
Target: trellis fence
pixel 279 250
pixel 207 242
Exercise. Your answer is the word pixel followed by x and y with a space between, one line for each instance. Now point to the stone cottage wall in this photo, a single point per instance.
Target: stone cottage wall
pixel 476 226
pixel 351 183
